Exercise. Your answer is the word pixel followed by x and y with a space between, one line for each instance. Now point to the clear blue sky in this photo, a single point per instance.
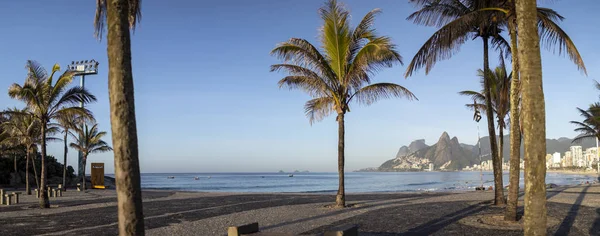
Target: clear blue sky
pixel 206 101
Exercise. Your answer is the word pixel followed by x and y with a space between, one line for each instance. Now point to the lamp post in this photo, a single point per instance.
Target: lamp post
pixel 83 68
pixel 477 118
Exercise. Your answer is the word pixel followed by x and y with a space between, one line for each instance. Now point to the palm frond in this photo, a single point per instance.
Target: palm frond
pixel 444 43
pixel 375 92
pixel 437 13
pixel 555 38
pixel 335 35
pixel 319 108
pixel 135 15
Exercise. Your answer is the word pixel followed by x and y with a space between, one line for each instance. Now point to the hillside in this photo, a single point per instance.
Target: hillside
pixel 449 154
pixel 446 154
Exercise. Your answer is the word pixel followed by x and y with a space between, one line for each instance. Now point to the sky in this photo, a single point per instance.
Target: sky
pixel 206 101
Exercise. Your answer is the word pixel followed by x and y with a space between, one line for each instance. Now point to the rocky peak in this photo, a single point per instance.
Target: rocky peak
pixel 444 138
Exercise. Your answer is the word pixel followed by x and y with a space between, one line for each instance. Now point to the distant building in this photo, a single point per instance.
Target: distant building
pixel 577 153
pixel 591 156
pixel 556 159
pixel 548 161
pixel 568 159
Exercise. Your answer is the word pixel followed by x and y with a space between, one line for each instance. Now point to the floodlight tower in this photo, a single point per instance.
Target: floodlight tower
pixel 83 68
pixel 477 118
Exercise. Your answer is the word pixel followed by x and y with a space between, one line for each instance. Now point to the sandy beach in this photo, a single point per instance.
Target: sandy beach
pixel 572 211
pixel 571 172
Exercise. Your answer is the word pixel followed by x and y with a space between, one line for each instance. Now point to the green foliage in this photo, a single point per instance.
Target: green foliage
pixel 341 71
pixel 54 168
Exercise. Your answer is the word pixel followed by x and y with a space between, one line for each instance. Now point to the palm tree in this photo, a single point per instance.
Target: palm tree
pixel 534 117
pixel 89 141
pixel 46 101
pixel 459 21
pixel 22 128
pixel 500 81
pixel 589 127
pixel 340 72
pixel 68 123
pixel 121 16
pixel 554 37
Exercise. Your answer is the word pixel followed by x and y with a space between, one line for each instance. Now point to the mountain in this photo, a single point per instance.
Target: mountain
pixel 449 154
pixel 560 145
pixel 446 154
pixel 413 147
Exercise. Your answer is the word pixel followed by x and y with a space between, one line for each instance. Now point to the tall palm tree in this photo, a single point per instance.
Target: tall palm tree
pixel 89 142
pixel 534 117
pixel 121 16
pixel 458 22
pixel 68 123
pixel 457 18
pixel 553 36
pixel 46 100
pixel 500 81
pixel 23 129
pixel 340 72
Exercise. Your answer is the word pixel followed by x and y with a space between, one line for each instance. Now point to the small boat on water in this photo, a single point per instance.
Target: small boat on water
pixel 290 175
pixel 196 178
pixel 170 177
pixel 209 177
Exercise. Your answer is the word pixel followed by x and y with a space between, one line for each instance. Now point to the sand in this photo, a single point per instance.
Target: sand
pixel 575 211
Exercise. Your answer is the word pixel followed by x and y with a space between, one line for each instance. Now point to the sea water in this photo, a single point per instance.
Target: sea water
pixel 356 182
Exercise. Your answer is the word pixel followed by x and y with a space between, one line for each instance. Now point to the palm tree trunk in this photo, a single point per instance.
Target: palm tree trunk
pixel 510 213
pixel 534 117
pixel 84 161
pixel 496 162
pixel 122 119
pixel 27 187
pixel 340 200
pixel 500 143
pixel 35 175
pixel 44 201
pixel 64 181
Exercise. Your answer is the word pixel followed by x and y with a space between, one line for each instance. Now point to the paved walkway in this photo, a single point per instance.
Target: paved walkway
pixel 577 210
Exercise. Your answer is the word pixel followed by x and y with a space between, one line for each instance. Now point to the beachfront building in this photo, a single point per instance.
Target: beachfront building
pixel 591 156
pixel 548 160
pixel 577 153
pixel 568 159
pixel 556 159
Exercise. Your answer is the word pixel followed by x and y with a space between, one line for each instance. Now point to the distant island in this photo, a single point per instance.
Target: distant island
pixel 448 154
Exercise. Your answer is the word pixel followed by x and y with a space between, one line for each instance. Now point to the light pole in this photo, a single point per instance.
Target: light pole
pixel 83 68
pixel 477 118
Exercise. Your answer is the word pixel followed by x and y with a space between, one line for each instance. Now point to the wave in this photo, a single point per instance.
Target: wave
pixel 425 183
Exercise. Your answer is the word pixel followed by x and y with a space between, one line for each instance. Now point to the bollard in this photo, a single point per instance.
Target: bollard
pixel 37 194
pixel 8 197
pixel 78 187
pixel 53 193
pixel 59 193
pixel 16 197
pixel 1 196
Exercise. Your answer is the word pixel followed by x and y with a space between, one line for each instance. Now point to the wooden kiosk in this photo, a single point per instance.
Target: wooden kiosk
pixel 98 175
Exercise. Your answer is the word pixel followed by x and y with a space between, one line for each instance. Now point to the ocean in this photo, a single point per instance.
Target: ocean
pixel 356 182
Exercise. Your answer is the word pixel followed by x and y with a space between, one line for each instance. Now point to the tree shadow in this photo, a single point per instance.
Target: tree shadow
pixel 439 223
pixel 567 223
pixel 595 230
pixel 347 210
